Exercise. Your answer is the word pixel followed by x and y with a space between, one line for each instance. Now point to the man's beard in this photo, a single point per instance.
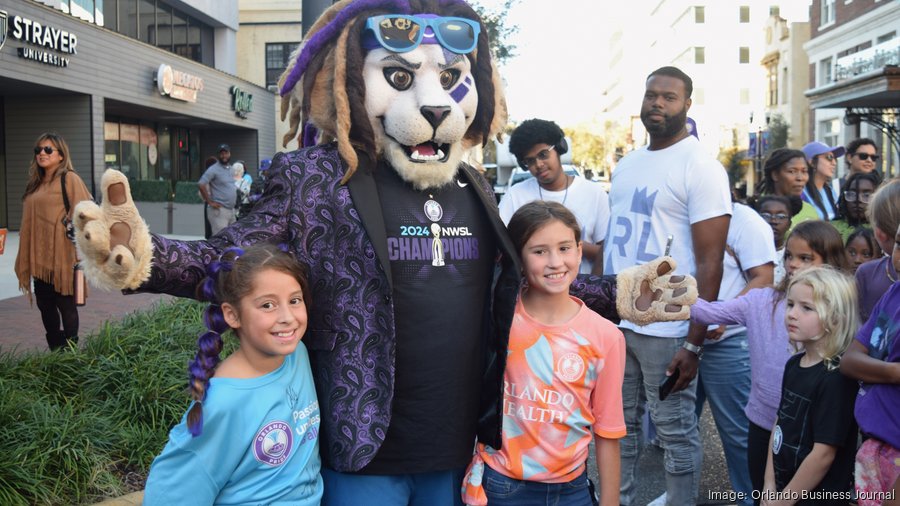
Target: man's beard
pixel 670 127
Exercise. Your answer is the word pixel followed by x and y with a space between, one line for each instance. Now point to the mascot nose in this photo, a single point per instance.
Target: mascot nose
pixel 435 114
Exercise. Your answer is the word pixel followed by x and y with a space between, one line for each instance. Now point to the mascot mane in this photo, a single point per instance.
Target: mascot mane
pixel 323 92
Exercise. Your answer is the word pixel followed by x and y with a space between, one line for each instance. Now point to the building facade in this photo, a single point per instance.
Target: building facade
pixel 270 31
pixel 854 88
pixel 143 86
pixel 787 76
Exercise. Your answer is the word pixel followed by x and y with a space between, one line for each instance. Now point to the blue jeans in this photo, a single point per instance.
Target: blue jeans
pixel 502 490
pixel 725 382
pixel 438 488
pixel 675 418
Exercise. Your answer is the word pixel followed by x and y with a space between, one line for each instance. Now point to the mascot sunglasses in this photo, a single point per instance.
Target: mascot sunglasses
pixel 401 33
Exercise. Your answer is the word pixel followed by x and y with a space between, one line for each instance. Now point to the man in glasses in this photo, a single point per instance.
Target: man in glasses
pixel 670 188
pixel 538 146
pixel 862 157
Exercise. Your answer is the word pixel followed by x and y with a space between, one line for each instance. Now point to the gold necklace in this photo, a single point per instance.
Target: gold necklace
pixel 565 195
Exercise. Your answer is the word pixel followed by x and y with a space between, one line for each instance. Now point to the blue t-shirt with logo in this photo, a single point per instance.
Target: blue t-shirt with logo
pixel 260 444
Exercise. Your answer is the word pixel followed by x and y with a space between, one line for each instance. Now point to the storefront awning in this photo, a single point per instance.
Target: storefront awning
pixel 879 88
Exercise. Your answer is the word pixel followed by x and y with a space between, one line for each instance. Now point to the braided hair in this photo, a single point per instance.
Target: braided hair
pixel 228 281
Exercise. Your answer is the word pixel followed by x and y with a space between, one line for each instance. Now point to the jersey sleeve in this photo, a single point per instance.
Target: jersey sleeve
pixel 206 177
pixel 708 195
pixel 606 398
pixel 193 470
pixel 729 312
pixel 601 225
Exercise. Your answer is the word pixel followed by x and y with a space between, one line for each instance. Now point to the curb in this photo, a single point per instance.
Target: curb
pixel 132 499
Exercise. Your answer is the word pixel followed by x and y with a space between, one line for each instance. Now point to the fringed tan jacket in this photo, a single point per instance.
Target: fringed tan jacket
pixel 44 251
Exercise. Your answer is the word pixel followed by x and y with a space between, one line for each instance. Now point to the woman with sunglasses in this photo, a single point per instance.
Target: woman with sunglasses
pixel 46 254
pixel 862 158
pixel 854 202
pixel 822 159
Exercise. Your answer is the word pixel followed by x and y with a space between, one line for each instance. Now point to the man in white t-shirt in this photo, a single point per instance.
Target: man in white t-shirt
pixel 671 187
pixel 538 145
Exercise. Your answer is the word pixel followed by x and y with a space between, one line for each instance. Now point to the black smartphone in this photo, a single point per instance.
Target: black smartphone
pixel 666 388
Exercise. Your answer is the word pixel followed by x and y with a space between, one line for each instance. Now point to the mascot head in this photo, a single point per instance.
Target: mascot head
pixel 408 80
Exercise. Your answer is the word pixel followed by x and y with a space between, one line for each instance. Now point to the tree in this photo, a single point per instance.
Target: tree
pixel 779 130
pixel 594 146
pixel 498 33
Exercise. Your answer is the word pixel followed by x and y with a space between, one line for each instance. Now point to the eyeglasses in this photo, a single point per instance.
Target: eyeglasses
pixel 46 149
pixel 851 196
pixel 774 217
pixel 401 33
pixel 829 157
pixel 542 155
pixel 867 156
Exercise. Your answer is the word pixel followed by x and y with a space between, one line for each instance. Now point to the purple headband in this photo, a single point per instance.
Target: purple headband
pixel 331 30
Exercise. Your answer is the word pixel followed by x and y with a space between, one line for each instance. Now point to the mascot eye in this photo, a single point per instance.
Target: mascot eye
pixel 399 78
pixel 449 78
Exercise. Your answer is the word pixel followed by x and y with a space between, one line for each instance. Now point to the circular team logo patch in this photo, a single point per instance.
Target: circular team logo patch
pixel 433 210
pixel 570 367
pixel 777 439
pixel 272 444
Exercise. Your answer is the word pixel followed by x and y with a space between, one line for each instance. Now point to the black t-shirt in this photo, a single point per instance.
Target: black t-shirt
pixel 816 407
pixel 442 251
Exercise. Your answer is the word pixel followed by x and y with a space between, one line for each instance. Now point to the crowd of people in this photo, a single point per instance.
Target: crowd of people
pixel 799 359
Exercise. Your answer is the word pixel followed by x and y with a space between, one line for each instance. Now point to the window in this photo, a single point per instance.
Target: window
pixel 771 86
pixel 745 96
pixel 277 58
pixel 827 13
pixel 128 19
pixel 110 14
pixel 745 14
pixel 829 131
pixel 886 37
pixel 784 83
pixel 774 10
pixel 83 9
pixel 699 14
pixel 147 21
pixel 825 72
pixel 744 54
pixel 699 55
pixel 164 26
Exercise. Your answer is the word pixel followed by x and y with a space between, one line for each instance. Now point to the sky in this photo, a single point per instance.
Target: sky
pixel 560 64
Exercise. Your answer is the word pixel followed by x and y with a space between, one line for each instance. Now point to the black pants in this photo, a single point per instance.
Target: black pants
pixel 55 307
pixel 757 454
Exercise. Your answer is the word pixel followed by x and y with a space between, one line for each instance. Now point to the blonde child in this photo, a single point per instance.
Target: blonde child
pixel 562 383
pixel 874 278
pixel 814 438
pixel 874 359
pixel 251 434
pixel 811 243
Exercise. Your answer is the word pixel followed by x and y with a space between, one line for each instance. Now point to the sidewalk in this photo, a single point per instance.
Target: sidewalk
pixel 21 328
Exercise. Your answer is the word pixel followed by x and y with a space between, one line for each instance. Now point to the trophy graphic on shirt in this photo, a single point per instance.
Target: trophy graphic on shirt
pixel 437 248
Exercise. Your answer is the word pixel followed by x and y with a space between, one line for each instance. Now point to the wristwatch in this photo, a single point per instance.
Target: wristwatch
pixel 693 348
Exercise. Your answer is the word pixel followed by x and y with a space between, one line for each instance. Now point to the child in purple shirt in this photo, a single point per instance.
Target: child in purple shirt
pixel 873 278
pixel 874 359
pixel 761 310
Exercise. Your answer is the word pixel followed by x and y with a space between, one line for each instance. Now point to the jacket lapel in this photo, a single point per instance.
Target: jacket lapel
pixel 490 207
pixel 364 193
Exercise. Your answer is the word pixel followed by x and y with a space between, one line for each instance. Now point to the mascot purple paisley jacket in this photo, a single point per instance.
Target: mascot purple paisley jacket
pixel 338 232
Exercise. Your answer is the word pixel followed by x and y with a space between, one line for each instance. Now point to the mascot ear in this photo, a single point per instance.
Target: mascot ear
pixel 562 147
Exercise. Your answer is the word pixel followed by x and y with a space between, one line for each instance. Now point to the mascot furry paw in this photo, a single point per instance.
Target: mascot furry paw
pixel 410 310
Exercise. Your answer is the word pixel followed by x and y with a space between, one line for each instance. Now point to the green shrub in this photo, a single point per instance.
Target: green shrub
pixel 186 192
pixel 74 424
pixel 150 191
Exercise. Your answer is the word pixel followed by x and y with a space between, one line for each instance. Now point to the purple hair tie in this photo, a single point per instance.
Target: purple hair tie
pixel 330 31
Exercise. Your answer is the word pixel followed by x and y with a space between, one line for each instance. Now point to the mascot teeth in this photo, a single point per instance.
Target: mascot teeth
pixel 428 152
